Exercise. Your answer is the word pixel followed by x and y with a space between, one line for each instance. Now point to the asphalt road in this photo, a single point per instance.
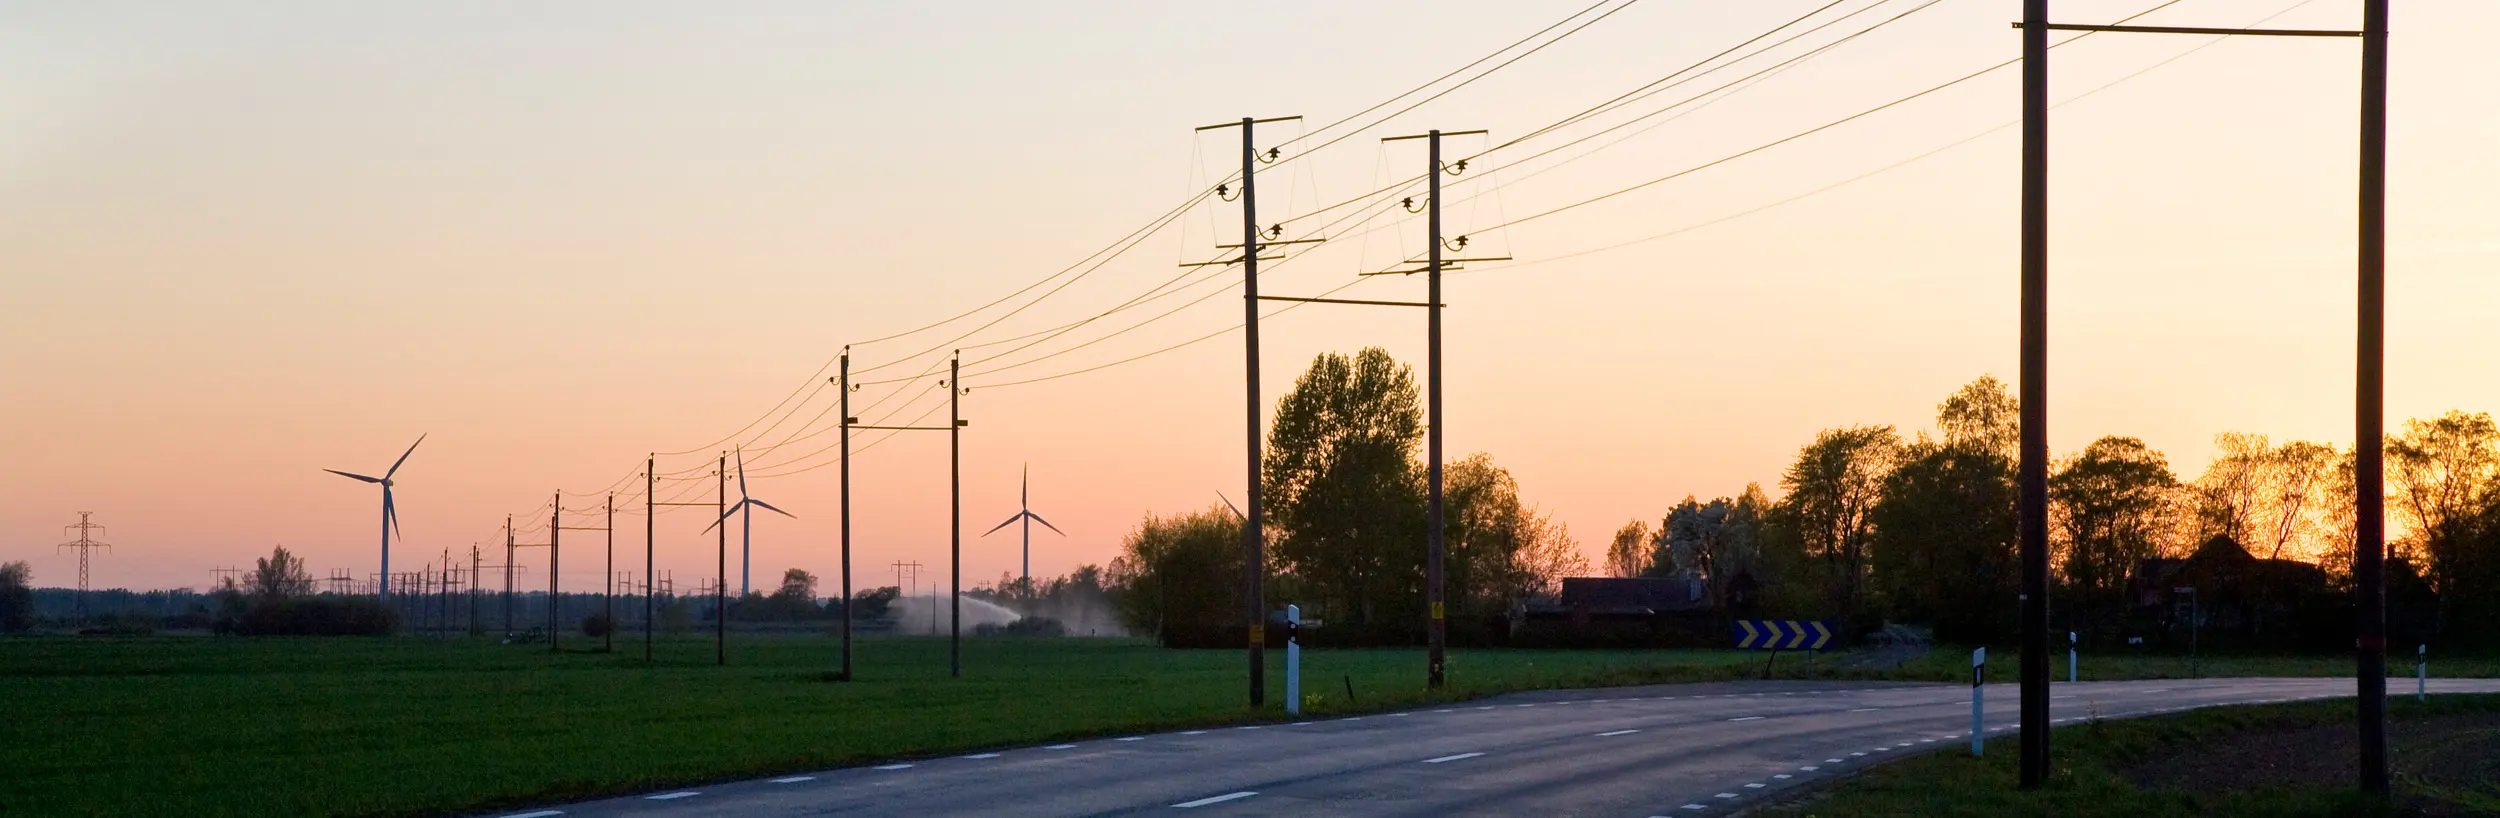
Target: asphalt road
pixel 1702 750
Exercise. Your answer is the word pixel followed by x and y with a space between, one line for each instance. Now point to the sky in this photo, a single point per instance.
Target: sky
pixel 241 243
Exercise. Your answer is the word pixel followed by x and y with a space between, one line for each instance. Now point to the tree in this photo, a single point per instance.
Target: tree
pixel 17 597
pixel 2298 475
pixel 1179 577
pixel 2445 473
pixel 2231 495
pixel 2109 506
pixel 1832 491
pixel 1340 482
pixel 1982 416
pixel 1628 556
pixel 1944 546
pixel 1714 542
pixel 1499 550
pixel 279 576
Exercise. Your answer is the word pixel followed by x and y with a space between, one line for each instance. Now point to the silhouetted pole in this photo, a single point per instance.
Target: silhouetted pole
pixel 2034 463
pixel 720 590
pixel 475 580
pixel 1437 634
pixel 555 565
pixel 2369 470
pixel 507 574
pixel 610 596
pixel 651 526
pixel 844 383
pixel 955 477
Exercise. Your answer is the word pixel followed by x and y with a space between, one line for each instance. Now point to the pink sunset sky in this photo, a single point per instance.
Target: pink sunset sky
pixel 242 243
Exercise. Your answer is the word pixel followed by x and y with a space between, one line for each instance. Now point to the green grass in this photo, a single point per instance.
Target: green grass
pixel 399 726
pixel 204 727
pixel 2088 774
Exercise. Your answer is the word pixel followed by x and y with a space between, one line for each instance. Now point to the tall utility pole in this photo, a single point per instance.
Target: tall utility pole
pixel 85 544
pixel 610 596
pixel 955 517
pixel 650 576
pixel 2369 420
pixel 508 546
pixel 2369 405
pixel 475 580
pixel 720 590
pixel 843 383
pixel 2034 460
pixel 555 569
pixel 1254 520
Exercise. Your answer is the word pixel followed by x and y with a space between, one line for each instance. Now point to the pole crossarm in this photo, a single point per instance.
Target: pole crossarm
pixel 1355 301
pixel 2231 32
pixel 1271 242
pixel 1232 261
pixel 1249 122
pixel 912 428
pixel 1430 135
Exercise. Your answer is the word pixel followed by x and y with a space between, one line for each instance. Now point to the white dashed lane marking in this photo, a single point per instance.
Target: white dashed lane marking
pixel 1620 733
pixel 1218 799
pixel 794 779
pixel 1135 738
pixel 672 796
pixel 980 756
pixel 1459 757
pixel 1060 747
pixel 1746 718
pixel 895 767
pixel 1866 710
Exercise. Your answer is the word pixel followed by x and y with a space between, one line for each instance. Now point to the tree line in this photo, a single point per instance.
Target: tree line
pixel 1875 527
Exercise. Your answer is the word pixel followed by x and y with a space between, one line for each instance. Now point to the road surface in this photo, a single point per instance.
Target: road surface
pixel 1700 750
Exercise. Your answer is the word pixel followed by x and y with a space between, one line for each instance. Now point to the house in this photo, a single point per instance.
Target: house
pixel 2221 594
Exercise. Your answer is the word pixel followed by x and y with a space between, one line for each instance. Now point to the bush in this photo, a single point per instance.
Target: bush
pixel 316 616
pixel 598 625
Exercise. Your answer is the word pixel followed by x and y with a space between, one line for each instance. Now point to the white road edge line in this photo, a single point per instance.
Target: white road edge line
pixel 981 756
pixel 1459 757
pixel 1060 747
pixel 794 779
pixel 1233 796
pixel 672 796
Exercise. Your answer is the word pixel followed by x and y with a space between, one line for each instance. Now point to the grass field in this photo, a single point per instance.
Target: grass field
pixel 2274 761
pixel 202 726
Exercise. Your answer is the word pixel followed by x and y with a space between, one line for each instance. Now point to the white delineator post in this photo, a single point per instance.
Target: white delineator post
pixel 2071 673
pixel 1978 725
pixel 2421 673
pixel 1293 658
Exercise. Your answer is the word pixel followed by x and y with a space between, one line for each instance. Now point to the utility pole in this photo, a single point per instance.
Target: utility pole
pixel 843 383
pixel 475 579
pixel 555 569
pixel 651 526
pixel 610 596
pixel 2369 403
pixel 1253 529
pixel 650 470
pixel 2034 461
pixel 84 545
pixel 2369 415
pixel 955 518
pixel 720 591
pixel 508 553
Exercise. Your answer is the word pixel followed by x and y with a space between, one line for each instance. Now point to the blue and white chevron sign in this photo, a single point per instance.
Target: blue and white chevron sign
pixel 1782 634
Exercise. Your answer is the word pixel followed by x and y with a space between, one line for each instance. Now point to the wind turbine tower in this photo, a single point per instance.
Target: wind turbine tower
pixel 390 514
pixel 1027 516
pixel 746 523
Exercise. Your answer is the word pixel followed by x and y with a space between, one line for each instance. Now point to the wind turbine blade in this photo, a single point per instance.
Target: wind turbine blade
pixel 357 476
pixel 1046 523
pixel 390 511
pixel 742 474
pixel 1010 521
pixel 403 457
pixel 1027 497
pixel 1228 503
pixel 769 507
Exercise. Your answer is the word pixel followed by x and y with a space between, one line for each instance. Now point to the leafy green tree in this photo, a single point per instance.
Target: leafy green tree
pixel 1714 542
pixel 1629 555
pixel 2444 473
pixel 2110 506
pixel 17 597
pixel 1982 416
pixel 1833 488
pixel 1499 550
pixel 1180 576
pixel 1340 480
pixel 279 576
pixel 1944 546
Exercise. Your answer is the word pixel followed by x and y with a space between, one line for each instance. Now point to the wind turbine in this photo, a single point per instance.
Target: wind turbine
pixel 1029 518
pixel 390 514
pixel 746 524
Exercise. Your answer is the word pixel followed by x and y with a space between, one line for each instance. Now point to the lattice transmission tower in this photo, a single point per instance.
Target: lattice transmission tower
pixel 86 544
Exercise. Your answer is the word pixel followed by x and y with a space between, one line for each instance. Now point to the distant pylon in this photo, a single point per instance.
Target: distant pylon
pixel 85 543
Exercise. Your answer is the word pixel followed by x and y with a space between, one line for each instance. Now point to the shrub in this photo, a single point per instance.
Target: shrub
pixel 317 616
pixel 598 625
pixel 1041 626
